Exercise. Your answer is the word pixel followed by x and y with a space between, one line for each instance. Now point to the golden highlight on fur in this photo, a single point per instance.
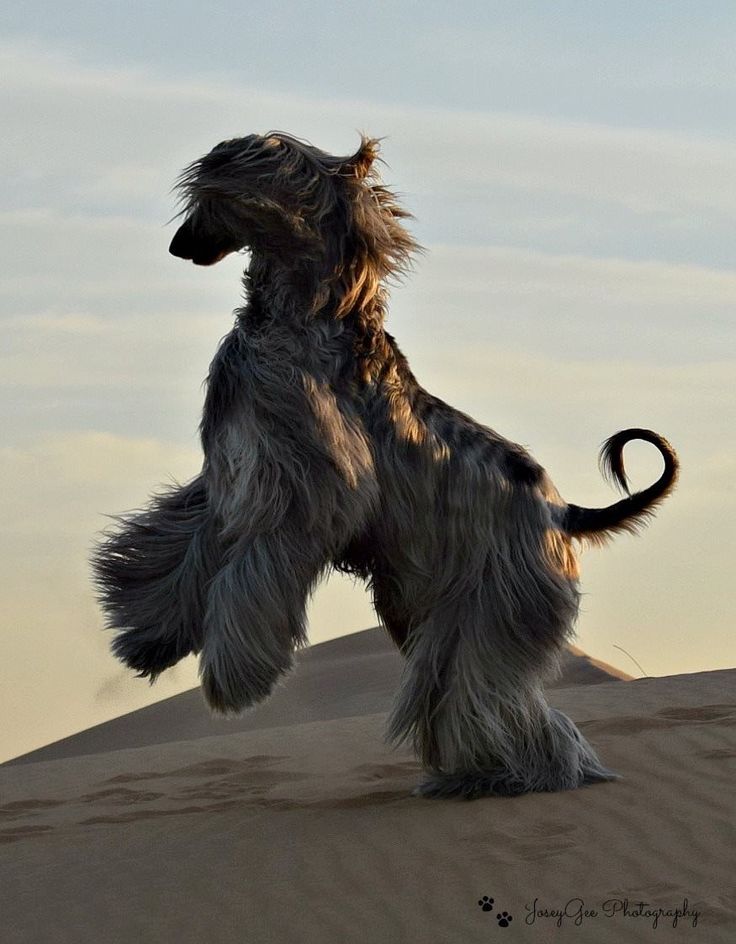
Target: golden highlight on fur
pixel 322 451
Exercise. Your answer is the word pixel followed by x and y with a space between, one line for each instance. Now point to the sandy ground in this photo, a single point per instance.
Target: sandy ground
pixel 306 832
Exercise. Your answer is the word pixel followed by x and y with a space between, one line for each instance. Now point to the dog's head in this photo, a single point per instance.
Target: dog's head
pixel 295 205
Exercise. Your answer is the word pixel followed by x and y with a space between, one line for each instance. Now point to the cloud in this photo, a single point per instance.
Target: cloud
pixel 112 133
pixel 593 308
pixel 59 485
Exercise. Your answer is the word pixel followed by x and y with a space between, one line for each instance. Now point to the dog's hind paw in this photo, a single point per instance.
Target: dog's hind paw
pixel 473 785
pixel 470 785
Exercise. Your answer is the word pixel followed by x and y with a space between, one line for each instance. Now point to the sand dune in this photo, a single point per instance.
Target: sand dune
pixel 353 675
pixel 306 832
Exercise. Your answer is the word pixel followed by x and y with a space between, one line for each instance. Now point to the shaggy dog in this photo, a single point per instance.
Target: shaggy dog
pixel 322 451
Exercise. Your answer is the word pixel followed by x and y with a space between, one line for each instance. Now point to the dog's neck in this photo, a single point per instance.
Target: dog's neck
pixel 281 297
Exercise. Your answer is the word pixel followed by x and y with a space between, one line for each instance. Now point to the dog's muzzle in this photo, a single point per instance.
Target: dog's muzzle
pixel 192 242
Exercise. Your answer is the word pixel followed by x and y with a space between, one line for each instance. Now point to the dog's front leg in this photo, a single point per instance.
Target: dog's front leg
pixel 152 574
pixel 256 615
pixel 290 480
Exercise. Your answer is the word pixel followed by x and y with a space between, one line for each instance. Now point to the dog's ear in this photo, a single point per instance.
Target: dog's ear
pixel 360 163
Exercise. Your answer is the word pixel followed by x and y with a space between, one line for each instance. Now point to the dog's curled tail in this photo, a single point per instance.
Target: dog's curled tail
pixel 631 513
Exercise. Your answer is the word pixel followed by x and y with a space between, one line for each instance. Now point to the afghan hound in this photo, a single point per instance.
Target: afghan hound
pixel 322 451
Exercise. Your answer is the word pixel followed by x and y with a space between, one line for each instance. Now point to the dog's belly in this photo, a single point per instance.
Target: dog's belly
pixel 447 529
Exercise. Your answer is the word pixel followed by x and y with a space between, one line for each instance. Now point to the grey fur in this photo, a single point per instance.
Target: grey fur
pixel 322 451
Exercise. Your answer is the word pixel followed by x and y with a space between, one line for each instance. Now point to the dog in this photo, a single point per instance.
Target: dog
pixel 322 451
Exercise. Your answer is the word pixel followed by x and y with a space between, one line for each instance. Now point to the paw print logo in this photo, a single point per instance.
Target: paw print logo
pixel 504 919
pixel 486 903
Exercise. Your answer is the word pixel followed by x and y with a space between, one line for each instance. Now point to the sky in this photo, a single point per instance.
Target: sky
pixel 571 170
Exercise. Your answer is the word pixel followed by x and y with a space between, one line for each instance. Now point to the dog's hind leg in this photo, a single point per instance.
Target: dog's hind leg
pixel 152 575
pixel 478 718
pixel 471 699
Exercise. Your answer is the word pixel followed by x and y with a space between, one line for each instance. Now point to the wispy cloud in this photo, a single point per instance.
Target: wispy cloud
pixel 105 116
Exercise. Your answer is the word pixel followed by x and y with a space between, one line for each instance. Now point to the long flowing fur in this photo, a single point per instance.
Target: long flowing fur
pixel 322 451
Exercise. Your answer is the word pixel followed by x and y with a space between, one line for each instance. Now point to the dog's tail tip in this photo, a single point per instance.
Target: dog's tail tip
pixel 632 512
pixel 611 460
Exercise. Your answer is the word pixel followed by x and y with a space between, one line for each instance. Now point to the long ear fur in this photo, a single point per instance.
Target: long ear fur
pixel 360 164
pixel 381 246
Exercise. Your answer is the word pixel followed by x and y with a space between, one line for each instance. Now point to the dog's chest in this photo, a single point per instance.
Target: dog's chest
pixel 274 426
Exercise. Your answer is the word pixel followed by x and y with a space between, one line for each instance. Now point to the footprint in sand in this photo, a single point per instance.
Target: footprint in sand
pixel 20 808
pixel 121 796
pixel 704 713
pixel 377 772
pixel 220 765
pixel 665 718
pixel 16 833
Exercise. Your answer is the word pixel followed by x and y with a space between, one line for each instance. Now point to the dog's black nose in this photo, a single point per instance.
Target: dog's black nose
pixel 191 242
pixel 182 245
